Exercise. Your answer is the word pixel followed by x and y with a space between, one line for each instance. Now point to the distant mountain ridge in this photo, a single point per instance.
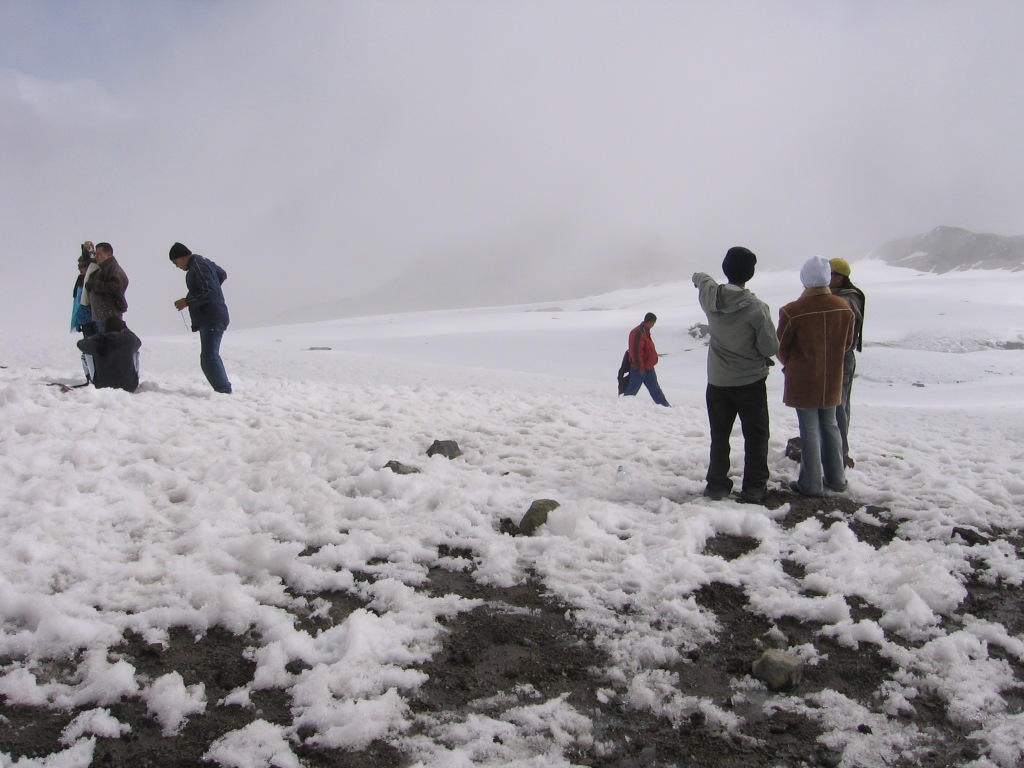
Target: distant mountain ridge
pixel 948 249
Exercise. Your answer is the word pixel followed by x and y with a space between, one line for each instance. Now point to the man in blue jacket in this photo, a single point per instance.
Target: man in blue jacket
pixel 209 313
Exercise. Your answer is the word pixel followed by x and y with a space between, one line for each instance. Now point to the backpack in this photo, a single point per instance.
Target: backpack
pixel 624 373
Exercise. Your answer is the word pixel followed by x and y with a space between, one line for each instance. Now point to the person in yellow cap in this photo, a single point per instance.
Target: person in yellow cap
pixel 841 286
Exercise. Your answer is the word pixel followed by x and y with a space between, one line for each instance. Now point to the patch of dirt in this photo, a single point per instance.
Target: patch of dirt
pixel 730 547
pixel 518 637
pixel 521 646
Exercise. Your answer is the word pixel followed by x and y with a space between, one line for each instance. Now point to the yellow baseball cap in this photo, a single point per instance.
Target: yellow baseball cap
pixel 840 266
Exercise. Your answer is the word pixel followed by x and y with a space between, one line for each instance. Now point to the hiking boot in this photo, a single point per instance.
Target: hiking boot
pixel 716 493
pixel 753 495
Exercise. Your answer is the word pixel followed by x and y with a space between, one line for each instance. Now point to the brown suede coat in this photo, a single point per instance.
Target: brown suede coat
pixel 814 333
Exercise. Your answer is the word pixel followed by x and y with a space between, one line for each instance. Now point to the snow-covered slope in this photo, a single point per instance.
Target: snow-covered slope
pixel 177 507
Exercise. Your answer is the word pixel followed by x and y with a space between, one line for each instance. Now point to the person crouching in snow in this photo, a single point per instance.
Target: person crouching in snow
pixel 112 357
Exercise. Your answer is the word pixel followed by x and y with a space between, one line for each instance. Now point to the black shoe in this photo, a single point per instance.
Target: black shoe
pixel 753 495
pixel 716 494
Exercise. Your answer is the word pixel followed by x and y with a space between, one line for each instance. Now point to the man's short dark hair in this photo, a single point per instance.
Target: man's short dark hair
pixel 107 248
pixel 650 317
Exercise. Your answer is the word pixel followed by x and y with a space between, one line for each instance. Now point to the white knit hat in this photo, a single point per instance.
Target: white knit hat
pixel 816 272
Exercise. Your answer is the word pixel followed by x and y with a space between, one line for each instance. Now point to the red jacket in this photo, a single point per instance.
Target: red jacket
pixel 642 354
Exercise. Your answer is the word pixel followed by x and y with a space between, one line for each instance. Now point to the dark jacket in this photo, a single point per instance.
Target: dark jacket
pixel 205 298
pixel 854 296
pixel 623 376
pixel 107 286
pixel 815 331
pixel 115 359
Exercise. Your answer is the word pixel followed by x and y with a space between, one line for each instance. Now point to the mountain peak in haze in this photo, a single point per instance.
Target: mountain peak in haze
pixel 947 249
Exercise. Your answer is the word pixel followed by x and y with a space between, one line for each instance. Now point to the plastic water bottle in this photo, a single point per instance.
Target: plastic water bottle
pixel 620 473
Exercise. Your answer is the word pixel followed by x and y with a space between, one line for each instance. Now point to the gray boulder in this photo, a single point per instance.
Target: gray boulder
pixel 400 469
pixel 447 448
pixel 536 516
pixel 779 670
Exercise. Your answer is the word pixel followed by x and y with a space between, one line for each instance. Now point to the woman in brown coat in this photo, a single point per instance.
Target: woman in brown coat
pixel 815 331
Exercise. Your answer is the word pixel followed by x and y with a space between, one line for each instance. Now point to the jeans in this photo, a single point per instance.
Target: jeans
pixel 750 403
pixel 820 449
pixel 650 380
pixel 209 357
pixel 843 411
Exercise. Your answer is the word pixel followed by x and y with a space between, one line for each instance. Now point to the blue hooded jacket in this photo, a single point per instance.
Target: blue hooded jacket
pixel 205 298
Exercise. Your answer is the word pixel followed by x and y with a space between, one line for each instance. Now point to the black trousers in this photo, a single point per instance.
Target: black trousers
pixel 750 403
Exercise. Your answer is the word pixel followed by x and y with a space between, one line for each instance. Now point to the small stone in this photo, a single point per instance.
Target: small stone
pixel 400 469
pixel 447 448
pixel 973 538
pixel 536 516
pixel 778 670
pixel 794 449
pixel 297 666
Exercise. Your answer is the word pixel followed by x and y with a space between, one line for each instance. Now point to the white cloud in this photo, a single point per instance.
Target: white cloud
pixel 71 102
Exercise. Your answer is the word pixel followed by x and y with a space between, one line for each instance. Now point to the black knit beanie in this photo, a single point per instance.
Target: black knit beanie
pixel 738 265
pixel 178 250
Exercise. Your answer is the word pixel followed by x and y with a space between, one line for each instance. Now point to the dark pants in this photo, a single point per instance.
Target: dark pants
pixel 750 403
pixel 843 411
pixel 209 357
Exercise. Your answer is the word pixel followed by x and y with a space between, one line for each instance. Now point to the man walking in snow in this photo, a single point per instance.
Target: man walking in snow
pixel 815 332
pixel 209 312
pixel 743 341
pixel 642 359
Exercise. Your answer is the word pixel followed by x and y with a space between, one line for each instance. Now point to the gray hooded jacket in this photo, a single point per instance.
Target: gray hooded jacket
pixel 743 338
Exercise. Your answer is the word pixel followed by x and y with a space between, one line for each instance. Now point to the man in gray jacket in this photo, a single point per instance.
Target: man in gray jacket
pixel 743 341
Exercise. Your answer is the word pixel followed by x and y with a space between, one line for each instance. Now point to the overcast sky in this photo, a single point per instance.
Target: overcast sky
pixel 466 153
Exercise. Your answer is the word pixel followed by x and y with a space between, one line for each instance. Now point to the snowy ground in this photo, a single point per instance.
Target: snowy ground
pixel 175 507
